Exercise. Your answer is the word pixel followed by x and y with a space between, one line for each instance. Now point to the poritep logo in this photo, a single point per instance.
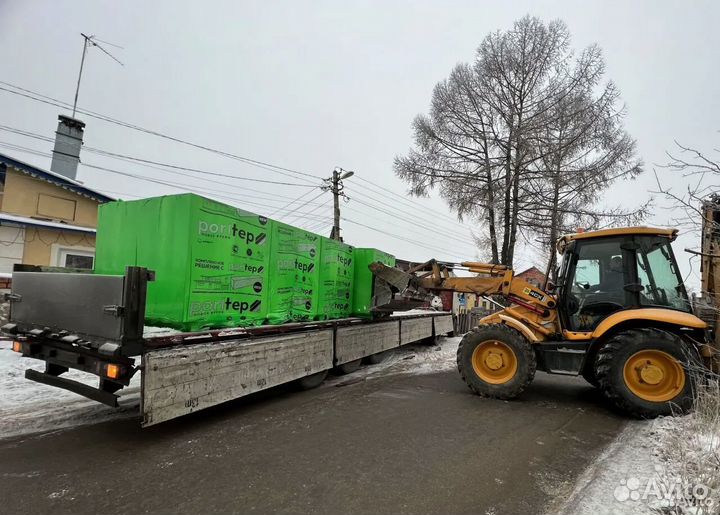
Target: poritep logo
pixel 227 231
pixel 242 306
pixel 304 267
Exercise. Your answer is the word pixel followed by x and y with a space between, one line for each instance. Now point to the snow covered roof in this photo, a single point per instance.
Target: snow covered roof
pixel 6 219
pixel 53 178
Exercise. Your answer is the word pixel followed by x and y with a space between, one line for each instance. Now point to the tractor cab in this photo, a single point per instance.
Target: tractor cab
pixel 606 271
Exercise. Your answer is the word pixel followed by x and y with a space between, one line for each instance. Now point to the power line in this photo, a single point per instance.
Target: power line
pixel 294 200
pixel 156 163
pixel 33 95
pixel 325 204
pixel 38 97
pixel 180 186
pixel 397 236
pixel 321 220
pixel 147 162
pixel 415 213
pixel 304 203
pixel 433 230
pixel 405 200
pixel 411 233
pixel 267 196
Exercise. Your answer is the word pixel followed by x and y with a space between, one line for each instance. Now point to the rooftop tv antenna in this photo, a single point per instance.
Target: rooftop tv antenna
pixel 92 41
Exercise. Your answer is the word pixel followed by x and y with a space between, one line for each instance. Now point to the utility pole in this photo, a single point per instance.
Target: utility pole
pixel 335 185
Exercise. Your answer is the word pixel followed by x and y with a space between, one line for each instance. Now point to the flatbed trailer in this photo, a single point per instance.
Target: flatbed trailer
pixel 95 324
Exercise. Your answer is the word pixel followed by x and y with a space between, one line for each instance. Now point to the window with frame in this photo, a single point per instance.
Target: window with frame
pixel 660 280
pixel 75 258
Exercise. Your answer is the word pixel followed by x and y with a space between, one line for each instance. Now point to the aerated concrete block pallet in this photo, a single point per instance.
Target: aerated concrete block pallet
pixel 219 266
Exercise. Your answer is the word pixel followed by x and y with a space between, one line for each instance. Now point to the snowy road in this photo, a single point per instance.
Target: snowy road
pixel 405 436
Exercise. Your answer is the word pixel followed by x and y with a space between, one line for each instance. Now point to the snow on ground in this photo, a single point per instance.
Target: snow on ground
pixel 150 332
pixel 667 465
pixel 29 407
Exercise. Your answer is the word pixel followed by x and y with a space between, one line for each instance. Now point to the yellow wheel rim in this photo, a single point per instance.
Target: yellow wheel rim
pixel 494 362
pixel 654 375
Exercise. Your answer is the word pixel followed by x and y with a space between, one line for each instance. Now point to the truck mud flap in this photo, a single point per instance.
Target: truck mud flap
pixel 181 380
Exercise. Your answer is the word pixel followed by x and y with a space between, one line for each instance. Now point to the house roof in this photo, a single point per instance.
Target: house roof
pixel 53 178
pixel 15 220
pixel 530 270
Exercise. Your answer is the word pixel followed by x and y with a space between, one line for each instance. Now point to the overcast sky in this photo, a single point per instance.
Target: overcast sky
pixel 314 85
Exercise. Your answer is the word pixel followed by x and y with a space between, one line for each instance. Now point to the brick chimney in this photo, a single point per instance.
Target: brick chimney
pixel 68 142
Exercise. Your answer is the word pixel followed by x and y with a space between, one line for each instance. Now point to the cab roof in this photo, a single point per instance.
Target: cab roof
pixel 640 230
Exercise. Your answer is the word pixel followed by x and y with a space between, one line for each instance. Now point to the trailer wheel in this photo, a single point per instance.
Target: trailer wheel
pixel 647 372
pixel 311 381
pixel 378 357
pixel 349 367
pixel 496 361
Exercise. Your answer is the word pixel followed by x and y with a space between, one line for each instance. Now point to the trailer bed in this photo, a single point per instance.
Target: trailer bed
pixel 181 379
pixel 182 372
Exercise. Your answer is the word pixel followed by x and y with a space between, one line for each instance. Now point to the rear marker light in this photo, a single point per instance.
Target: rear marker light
pixel 17 347
pixel 112 371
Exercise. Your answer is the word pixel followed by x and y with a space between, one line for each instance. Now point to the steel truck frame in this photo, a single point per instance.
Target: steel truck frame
pixel 94 323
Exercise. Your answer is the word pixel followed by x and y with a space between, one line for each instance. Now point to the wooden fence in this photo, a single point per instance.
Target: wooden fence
pixel 466 319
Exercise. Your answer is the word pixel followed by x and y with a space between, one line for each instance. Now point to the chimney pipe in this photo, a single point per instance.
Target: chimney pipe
pixel 68 142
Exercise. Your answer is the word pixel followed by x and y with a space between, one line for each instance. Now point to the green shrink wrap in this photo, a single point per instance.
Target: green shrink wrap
pixel 364 279
pixel 336 281
pixel 210 259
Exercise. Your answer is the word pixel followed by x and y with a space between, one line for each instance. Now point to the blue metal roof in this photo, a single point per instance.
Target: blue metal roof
pixel 52 177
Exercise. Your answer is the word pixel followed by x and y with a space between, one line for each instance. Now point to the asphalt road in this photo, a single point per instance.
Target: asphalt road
pixel 400 443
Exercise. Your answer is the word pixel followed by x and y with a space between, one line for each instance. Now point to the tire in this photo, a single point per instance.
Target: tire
pixel 589 375
pixel 496 361
pixel 629 364
pixel 378 357
pixel 348 368
pixel 311 381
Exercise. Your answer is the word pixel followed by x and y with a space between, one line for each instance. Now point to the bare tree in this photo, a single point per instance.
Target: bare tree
pixel 582 148
pixel 519 140
pixel 702 173
pixel 698 210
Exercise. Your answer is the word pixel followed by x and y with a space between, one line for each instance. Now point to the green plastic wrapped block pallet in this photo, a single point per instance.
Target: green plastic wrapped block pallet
pixel 364 280
pixel 210 259
pixel 336 283
pixel 306 294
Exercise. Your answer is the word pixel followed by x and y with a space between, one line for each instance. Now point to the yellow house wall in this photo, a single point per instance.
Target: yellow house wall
pixel 21 197
pixel 39 243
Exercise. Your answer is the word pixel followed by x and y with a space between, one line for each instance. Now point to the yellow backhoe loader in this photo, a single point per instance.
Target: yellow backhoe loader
pixel 617 314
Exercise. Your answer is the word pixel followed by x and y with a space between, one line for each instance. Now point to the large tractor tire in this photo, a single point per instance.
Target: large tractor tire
pixel 645 372
pixel 588 372
pixel 496 361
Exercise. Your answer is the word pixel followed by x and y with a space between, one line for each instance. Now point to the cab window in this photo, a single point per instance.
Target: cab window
pixel 660 282
pixel 596 285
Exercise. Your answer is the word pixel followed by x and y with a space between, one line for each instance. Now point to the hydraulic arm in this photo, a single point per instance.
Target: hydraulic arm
pixel 398 290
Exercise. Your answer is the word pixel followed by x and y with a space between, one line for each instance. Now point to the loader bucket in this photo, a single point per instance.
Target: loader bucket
pixel 396 290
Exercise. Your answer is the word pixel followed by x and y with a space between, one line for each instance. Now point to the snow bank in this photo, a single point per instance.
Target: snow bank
pixel 667 465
